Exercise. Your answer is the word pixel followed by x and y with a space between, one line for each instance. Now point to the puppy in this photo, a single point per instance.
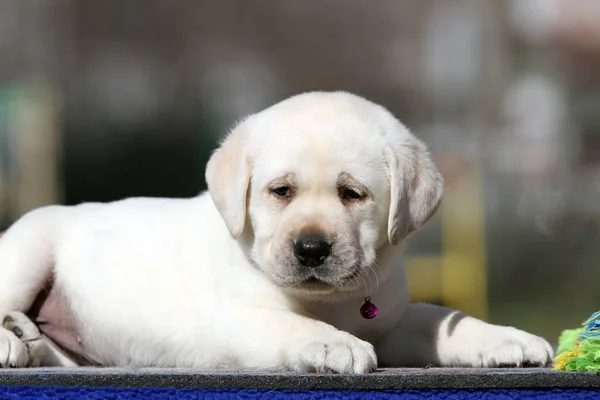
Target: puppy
pixel 309 202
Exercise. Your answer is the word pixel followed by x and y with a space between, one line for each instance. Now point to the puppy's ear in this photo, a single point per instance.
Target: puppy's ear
pixel 228 178
pixel 416 188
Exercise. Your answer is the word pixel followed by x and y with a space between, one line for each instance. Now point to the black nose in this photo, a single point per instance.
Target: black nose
pixel 311 251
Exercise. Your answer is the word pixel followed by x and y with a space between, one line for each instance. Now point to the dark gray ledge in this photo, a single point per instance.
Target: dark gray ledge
pixel 432 378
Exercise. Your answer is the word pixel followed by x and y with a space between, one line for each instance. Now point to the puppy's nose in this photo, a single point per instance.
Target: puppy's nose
pixel 312 251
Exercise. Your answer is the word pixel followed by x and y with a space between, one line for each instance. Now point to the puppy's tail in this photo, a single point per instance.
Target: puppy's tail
pixel 27 257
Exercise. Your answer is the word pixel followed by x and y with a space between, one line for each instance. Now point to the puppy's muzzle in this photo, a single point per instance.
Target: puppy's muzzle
pixel 311 251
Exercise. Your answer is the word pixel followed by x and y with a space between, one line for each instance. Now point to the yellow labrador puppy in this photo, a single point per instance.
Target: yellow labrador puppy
pixel 291 261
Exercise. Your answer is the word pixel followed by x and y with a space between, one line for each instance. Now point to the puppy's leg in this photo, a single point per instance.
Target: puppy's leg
pixel 26 258
pixel 25 265
pixel 281 340
pixel 431 335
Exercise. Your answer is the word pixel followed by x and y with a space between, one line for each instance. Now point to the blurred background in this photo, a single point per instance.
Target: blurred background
pixel 101 100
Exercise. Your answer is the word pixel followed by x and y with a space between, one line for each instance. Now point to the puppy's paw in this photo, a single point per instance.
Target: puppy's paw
pixel 21 344
pixel 21 326
pixel 338 352
pixel 506 347
pixel 13 352
pixel 510 347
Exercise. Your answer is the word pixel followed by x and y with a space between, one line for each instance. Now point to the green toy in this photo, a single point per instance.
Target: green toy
pixel 579 349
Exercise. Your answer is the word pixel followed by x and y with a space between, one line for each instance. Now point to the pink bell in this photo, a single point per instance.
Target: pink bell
pixel 368 310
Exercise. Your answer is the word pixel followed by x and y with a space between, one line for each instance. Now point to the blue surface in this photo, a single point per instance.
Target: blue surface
pixel 55 392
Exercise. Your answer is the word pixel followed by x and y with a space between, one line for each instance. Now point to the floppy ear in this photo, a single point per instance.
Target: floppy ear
pixel 416 188
pixel 228 178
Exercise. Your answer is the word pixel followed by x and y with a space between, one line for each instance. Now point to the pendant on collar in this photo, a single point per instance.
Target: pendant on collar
pixel 368 310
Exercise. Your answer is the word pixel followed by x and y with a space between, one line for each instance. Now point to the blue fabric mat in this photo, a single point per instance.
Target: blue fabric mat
pixel 54 392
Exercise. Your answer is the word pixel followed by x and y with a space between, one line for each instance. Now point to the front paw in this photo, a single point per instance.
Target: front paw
pixel 337 352
pixel 507 347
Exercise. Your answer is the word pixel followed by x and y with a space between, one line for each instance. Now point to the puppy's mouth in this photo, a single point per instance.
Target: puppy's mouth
pixel 316 283
pixel 313 283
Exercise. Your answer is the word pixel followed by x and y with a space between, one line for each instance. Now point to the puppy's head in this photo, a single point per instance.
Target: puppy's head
pixel 319 183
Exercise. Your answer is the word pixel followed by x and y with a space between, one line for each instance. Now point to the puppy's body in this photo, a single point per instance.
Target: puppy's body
pixel 224 280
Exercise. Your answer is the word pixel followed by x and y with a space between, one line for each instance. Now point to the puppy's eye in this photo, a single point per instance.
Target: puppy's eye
pixel 282 191
pixel 349 194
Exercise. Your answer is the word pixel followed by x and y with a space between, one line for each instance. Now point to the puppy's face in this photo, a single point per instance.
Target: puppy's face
pixel 319 183
pixel 318 208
